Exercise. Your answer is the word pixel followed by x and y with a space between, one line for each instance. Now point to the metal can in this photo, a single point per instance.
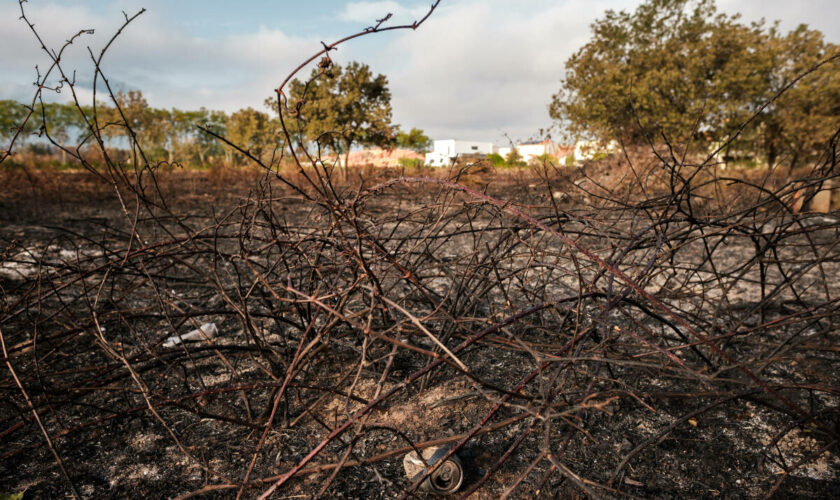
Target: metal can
pixel 446 479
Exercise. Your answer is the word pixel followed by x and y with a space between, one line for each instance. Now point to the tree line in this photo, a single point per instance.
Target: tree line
pixel 350 108
pixel 679 71
pixel 164 134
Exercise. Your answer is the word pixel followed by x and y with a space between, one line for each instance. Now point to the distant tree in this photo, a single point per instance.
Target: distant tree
pixel 62 122
pixel 415 140
pixel 513 158
pixel 251 130
pixel 544 159
pixel 679 70
pixel 343 107
pixel 180 128
pixel 145 127
pixel 12 114
pixel 496 159
pixel 205 145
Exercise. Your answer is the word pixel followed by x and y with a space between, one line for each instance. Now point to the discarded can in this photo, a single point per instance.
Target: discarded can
pixel 446 479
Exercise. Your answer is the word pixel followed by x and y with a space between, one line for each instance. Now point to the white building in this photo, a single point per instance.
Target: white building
pixel 445 151
pixel 586 150
pixel 533 149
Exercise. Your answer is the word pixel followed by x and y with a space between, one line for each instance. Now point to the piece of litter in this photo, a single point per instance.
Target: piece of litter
pixel 632 482
pixel 447 478
pixel 207 330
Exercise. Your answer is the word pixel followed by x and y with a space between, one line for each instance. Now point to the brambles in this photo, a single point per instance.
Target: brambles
pixel 652 327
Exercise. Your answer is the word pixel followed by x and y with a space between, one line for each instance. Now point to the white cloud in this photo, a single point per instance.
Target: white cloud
pixel 483 67
pixel 479 69
pixel 818 14
pixel 172 69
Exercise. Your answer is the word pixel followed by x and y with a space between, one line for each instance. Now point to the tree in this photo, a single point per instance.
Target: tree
pixel 678 70
pixel 513 158
pixel 62 120
pixel 800 123
pixel 180 129
pixel 496 159
pixel 343 107
pixel 250 130
pixel 415 140
pixel 146 127
pixel 12 114
pixel 205 145
pixel 658 71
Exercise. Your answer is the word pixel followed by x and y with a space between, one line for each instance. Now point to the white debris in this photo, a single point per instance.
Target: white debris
pixel 207 331
pixel 67 254
pixel 23 268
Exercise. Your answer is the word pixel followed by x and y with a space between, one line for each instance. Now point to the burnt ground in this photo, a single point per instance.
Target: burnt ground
pixel 83 319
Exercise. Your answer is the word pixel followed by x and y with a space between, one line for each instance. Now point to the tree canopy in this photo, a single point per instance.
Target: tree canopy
pixel 342 107
pixel 251 130
pixel 11 117
pixel 415 140
pixel 163 134
pixel 679 70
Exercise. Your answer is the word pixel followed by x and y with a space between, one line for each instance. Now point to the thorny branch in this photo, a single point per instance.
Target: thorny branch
pixel 571 321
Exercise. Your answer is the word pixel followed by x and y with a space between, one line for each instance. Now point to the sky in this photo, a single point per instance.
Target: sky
pixel 477 70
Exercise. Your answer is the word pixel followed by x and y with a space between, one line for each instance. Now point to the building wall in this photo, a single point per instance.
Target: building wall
pixel 473 148
pixel 586 150
pixel 530 151
pixel 446 150
pixel 437 159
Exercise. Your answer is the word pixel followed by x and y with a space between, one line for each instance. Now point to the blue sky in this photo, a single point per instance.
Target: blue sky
pixel 479 69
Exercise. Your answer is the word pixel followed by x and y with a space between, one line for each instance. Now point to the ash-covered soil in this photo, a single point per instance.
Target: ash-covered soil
pixel 598 392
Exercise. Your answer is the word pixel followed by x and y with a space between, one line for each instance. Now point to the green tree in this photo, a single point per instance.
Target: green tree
pixel 205 145
pixel 62 122
pixel 513 158
pixel 670 67
pixel 800 123
pixel 496 159
pixel 678 70
pixel 343 107
pixel 12 114
pixel 142 125
pixel 415 140
pixel 251 130
pixel 185 138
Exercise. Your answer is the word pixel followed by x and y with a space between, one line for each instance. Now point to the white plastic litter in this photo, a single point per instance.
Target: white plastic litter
pixel 207 330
